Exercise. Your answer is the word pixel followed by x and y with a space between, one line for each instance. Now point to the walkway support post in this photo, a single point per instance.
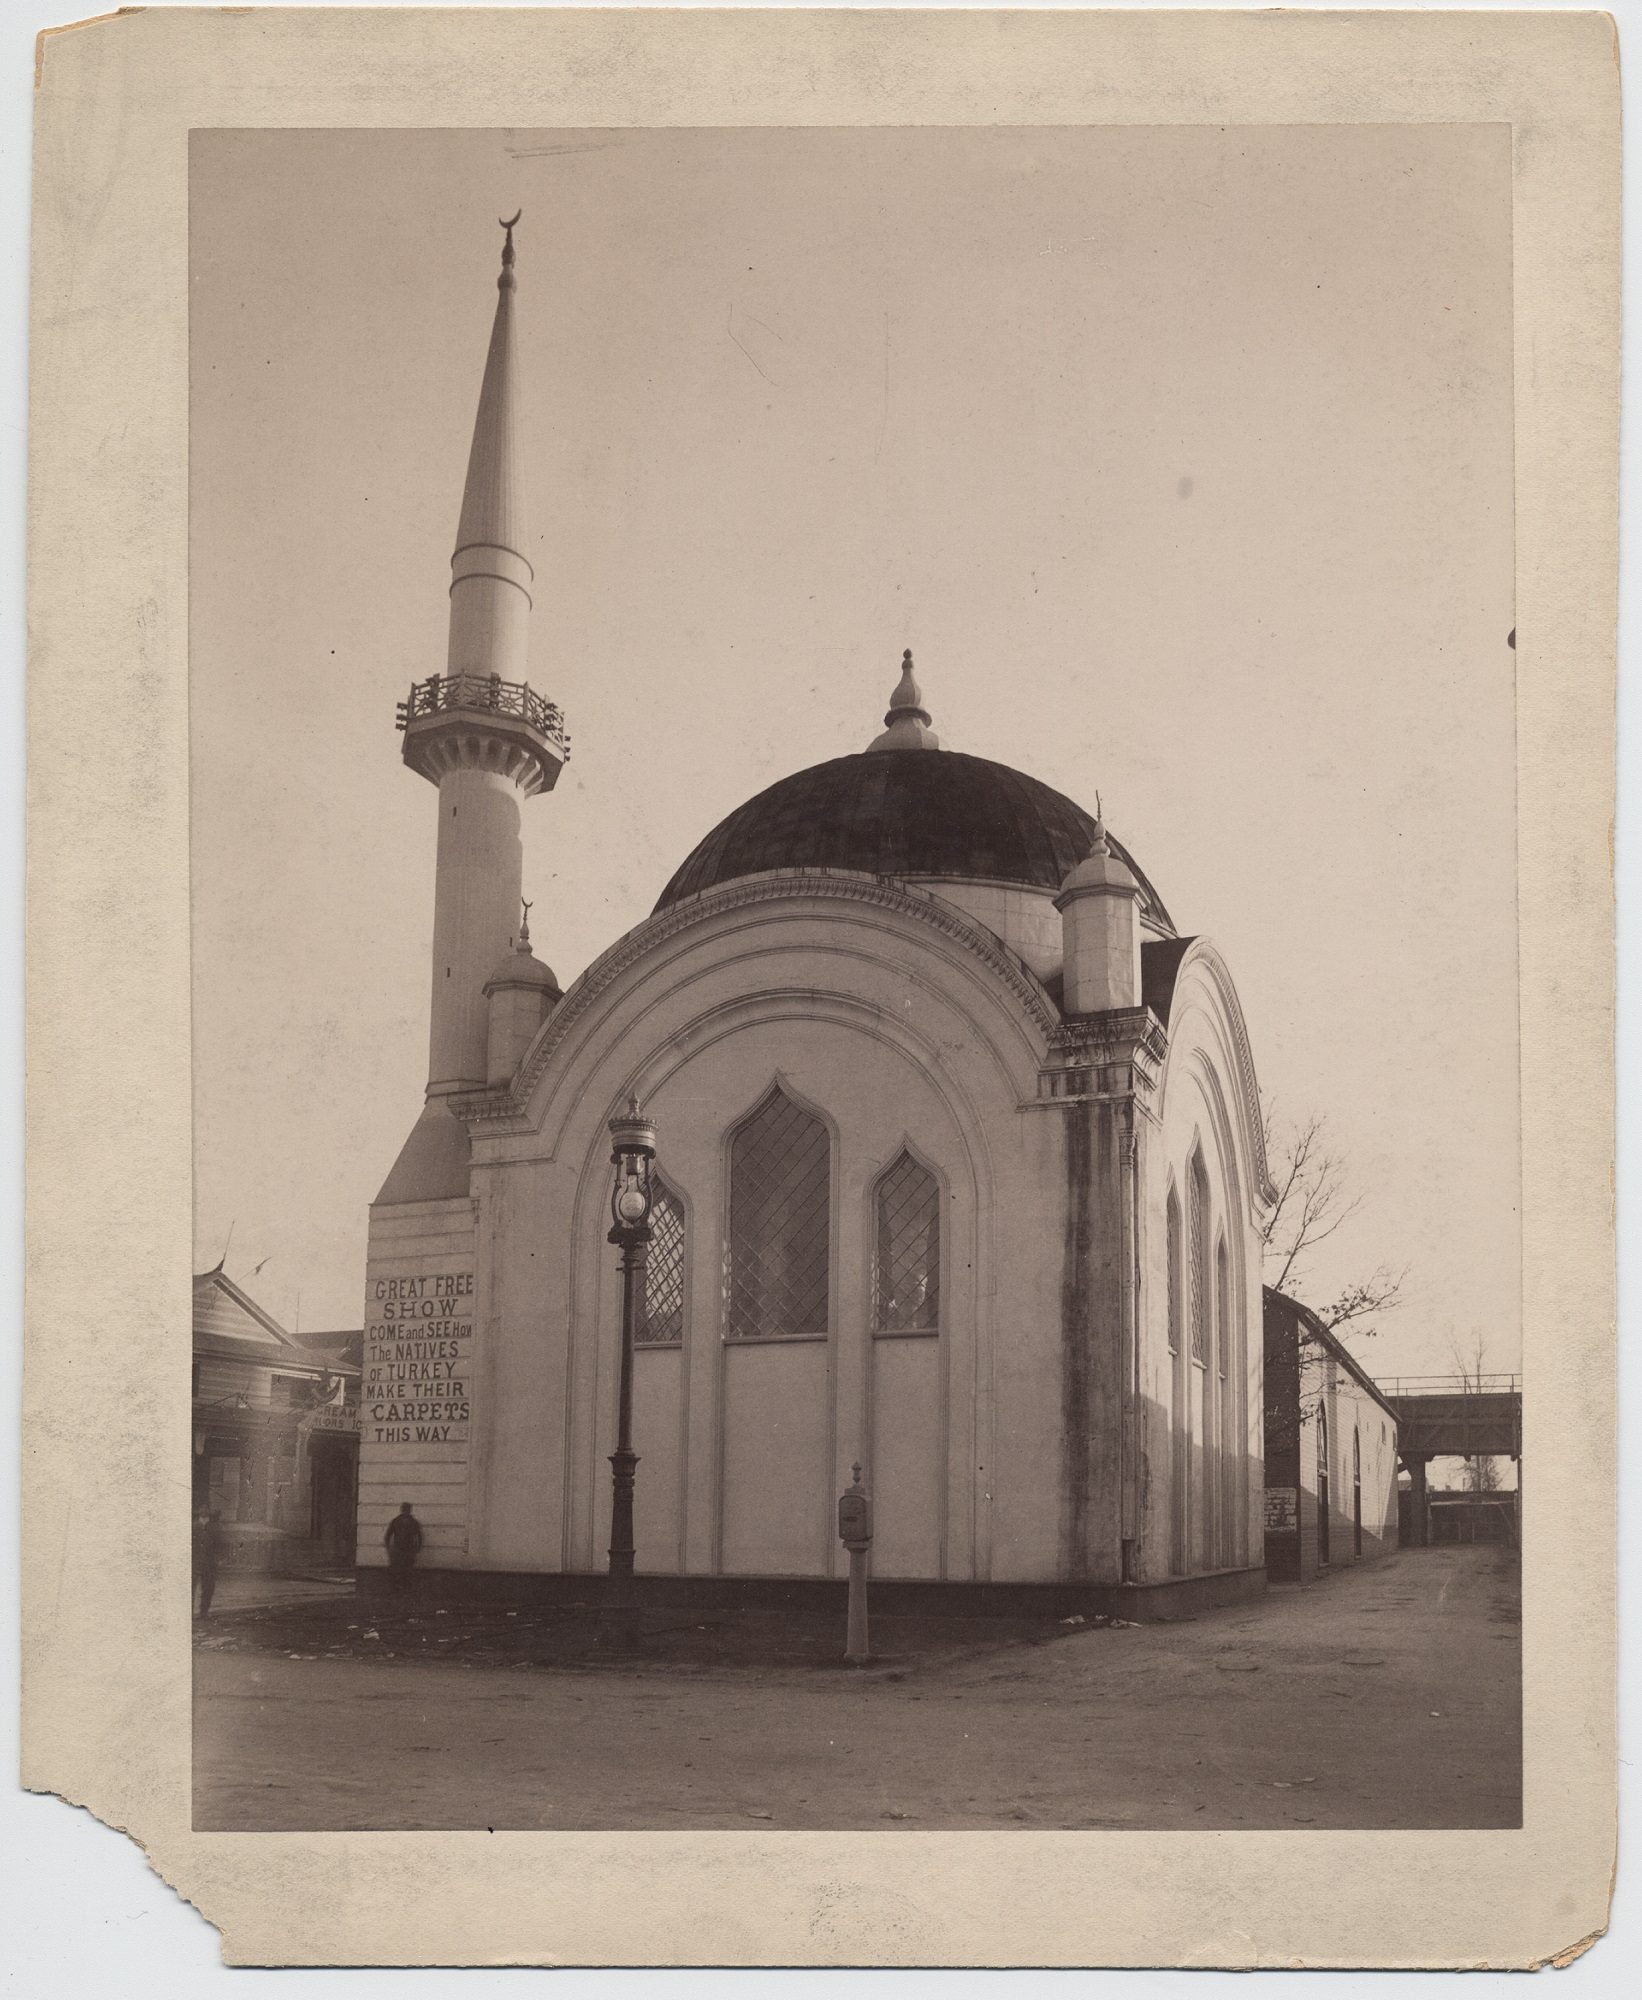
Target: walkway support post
pixel 1419 1509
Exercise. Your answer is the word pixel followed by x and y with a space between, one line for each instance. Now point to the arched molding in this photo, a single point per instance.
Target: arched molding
pixel 794 895
pixel 1207 1069
pixel 646 1072
pixel 1177 1359
pixel 1213 978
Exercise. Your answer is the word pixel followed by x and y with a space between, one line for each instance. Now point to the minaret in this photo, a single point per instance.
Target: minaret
pixel 488 741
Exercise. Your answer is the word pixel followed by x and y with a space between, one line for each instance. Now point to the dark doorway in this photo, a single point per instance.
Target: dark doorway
pixel 1356 1494
pixel 1322 1488
pixel 335 1471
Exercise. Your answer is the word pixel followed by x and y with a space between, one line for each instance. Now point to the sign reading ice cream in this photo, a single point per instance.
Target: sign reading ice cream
pixel 418 1348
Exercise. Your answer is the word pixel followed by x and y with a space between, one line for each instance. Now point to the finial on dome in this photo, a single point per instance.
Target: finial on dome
pixel 906 723
pixel 1100 843
pixel 505 281
pixel 524 927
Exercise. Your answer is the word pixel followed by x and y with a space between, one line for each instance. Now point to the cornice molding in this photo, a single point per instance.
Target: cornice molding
pixel 1112 1057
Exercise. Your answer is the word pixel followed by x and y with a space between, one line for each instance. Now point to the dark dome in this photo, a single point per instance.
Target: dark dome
pixel 905 812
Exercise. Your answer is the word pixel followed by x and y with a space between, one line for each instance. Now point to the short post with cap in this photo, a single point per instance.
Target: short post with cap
pixel 855 1532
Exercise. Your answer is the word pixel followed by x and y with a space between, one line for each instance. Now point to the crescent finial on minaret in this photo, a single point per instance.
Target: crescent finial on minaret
pixel 507 248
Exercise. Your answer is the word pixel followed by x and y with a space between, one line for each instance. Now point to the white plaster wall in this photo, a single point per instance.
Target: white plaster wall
pixel 1351 1408
pixel 1025 919
pixel 906 1450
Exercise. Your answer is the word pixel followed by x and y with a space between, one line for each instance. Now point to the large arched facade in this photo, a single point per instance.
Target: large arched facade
pixel 896 1036
pixel 912 1218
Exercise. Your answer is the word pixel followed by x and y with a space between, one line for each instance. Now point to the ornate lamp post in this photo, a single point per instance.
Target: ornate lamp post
pixel 633 1147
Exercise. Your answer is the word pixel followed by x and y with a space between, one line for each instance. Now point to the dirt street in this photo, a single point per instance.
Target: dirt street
pixel 1388 1696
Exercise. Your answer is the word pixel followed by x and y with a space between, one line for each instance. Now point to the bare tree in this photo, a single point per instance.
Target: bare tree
pixel 1479 1474
pixel 1312 1203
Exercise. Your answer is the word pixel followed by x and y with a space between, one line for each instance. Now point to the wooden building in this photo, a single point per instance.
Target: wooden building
pixel 276 1431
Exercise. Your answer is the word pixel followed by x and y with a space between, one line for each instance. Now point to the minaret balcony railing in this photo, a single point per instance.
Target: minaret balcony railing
pixel 486 694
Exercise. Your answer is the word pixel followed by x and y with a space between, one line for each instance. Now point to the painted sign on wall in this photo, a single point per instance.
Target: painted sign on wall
pixel 1282 1510
pixel 333 1417
pixel 418 1348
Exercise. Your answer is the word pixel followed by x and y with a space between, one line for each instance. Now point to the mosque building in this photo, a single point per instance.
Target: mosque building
pixel 959 1176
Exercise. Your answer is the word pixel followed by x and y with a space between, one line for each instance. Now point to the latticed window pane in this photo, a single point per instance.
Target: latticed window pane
pixel 909 1249
pixel 1174 1275
pixel 1200 1265
pixel 663 1315
pixel 1222 1303
pixel 779 1223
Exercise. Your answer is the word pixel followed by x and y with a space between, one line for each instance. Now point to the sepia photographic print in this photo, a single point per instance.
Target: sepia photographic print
pixel 830 1137
pixel 855 959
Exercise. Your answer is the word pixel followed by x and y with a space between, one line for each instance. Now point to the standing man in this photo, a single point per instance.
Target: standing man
pixel 207 1550
pixel 402 1541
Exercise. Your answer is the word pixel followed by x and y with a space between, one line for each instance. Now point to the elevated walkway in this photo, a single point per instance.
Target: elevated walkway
pixel 1453 1416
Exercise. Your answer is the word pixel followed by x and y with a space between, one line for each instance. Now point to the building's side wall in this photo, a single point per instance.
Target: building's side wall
pixel 1284 1440
pixel 1355 1418
pixel 1338 1415
pixel 1311 1538
pixel 416 1380
pixel 1203 1430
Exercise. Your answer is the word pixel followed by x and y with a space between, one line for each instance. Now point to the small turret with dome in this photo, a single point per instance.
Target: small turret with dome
pixel 1099 904
pixel 522 993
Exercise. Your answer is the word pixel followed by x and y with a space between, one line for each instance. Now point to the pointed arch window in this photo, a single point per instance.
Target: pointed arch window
pixel 1199 1233
pixel 1173 1255
pixel 1222 1305
pixel 661 1322
pixel 780 1223
pixel 907 1279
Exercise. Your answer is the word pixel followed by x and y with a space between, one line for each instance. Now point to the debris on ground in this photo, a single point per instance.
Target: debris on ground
pixel 551 1637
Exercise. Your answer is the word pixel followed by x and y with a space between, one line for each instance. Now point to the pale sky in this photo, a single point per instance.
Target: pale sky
pixel 1181 457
